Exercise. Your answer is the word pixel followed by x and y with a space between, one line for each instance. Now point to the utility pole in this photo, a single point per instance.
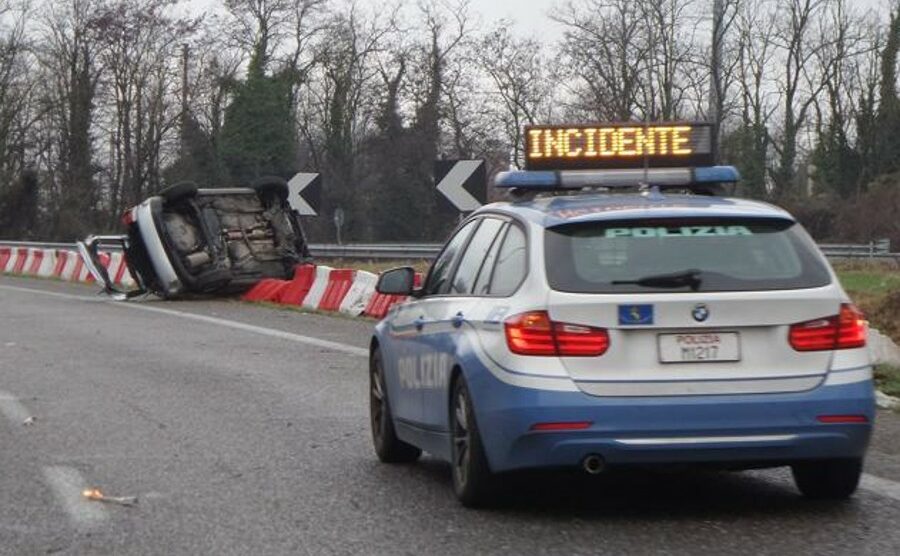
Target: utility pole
pixel 715 78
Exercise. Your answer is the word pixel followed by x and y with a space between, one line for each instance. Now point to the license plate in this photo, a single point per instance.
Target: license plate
pixel 699 348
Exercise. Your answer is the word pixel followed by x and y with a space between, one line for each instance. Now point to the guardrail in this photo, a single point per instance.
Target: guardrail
pixel 875 250
pixel 376 251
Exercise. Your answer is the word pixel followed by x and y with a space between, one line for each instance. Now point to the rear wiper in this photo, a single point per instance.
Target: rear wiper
pixel 688 278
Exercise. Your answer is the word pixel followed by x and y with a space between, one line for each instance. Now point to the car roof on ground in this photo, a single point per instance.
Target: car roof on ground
pixel 553 211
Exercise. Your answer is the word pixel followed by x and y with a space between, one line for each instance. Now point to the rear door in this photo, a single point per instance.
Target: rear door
pixel 453 312
pixel 412 324
pixel 693 306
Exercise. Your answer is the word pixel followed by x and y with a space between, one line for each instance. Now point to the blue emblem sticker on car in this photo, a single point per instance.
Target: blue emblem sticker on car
pixel 633 315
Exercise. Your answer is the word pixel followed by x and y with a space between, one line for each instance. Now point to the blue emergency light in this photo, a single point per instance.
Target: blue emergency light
pixel 545 180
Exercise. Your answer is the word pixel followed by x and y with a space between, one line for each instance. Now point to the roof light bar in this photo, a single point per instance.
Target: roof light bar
pixel 577 179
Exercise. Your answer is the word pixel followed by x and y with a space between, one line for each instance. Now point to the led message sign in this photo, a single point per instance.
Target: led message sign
pixel 618 146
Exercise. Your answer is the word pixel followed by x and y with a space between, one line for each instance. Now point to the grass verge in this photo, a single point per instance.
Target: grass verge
pixel 887 377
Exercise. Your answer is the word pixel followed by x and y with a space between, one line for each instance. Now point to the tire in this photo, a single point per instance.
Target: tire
pixel 388 447
pixel 178 191
pixel 270 186
pixel 473 482
pixel 829 479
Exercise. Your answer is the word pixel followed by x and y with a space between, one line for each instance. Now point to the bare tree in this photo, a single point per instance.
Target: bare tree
pixel 602 45
pixel 68 55
pixel 19 113
pixel 17 85
pixel 754 57
pixel 334 110
pixel 837 161
pixel 669 57
pixel 139 47
pixel 519 80
pixel 259 26
pixel 801 81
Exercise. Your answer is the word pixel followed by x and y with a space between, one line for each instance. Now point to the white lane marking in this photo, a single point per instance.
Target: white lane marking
pixel 68 485
pixel 70 296
pixel 880 486
pixel 13 409
pixel 270 332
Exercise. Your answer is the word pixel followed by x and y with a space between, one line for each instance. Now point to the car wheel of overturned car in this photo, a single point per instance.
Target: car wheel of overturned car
pixel 270 186
pixel 473 482
pixel 389 448
pixel 829 479
pixel 179 191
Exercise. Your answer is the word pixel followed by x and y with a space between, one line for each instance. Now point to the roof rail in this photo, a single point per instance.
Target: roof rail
pixel 700 180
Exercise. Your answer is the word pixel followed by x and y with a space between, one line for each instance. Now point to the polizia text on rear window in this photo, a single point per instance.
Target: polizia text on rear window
pixel 666 255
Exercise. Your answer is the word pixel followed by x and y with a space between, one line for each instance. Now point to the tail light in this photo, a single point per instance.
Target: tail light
pixel 535 334
pixel 128 217
pixel 845 330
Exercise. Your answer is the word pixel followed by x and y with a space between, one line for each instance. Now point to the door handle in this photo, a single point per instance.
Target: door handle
pixel 458 320
pixel 420 323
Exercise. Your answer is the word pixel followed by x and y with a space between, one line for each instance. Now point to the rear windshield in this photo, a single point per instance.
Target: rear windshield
pixel 639 256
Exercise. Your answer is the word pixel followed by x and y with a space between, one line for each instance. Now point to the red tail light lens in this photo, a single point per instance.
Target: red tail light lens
pixel 845 330
pixel 535 334
pixel 128 217
pixel 842 419
pixel 574 340
pixel 561 426
pixel 530 334
pixel 852 327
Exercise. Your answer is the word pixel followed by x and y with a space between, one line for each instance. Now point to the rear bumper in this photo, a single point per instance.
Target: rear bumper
pixel 745 430
pixel 89 252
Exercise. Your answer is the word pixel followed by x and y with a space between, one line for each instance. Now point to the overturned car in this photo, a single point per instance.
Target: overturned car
pixel 189 240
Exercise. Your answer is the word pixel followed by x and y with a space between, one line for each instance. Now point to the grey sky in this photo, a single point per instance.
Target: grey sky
pixel 531 16
pixel 528 14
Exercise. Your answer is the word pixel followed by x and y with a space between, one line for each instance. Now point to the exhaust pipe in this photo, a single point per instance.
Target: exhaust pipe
pixel 594 464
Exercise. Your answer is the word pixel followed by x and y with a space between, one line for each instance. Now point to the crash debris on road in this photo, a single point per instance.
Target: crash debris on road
pixel 97 495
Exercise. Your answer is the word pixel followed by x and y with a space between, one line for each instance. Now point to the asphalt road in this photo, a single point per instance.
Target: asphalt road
pixel 244 430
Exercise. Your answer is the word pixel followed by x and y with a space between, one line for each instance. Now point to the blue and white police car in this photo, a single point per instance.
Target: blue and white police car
pixel 612 316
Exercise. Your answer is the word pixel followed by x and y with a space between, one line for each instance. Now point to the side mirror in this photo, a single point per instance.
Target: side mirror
pixel 397 281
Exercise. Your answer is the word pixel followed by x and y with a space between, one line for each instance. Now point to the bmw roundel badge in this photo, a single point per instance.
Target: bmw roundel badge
pixel 700 312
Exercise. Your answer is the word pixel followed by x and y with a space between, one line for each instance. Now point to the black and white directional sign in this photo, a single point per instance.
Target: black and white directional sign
pixel 305 193
pixel 462 182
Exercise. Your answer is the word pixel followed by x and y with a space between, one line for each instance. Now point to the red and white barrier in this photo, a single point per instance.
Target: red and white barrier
pixel 295 292
pixel 63 264
pixel 268 289
pixel 348 291
pixel 357 297
pixel 43 262
pixel 64 269
pixel 17 264
pixel 351 292
pixel 339 283
pixel 118 270
pixel 5 257
pixel 317 291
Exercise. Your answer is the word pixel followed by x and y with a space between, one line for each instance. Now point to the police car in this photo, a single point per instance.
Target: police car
pixel 613 316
